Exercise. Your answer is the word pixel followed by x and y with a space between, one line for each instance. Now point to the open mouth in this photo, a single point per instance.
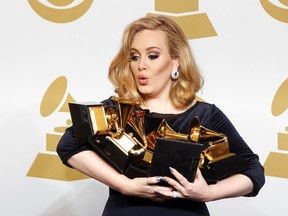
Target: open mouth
pixel 143 80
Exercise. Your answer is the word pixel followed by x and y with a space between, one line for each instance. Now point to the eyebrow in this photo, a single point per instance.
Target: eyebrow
pixel 147 49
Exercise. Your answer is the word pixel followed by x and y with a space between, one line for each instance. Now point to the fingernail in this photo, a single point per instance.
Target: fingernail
pixel 171 169
pixel 159 178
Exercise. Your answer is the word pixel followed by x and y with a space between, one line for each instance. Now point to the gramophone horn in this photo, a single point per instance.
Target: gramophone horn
pixel 195 130
pixel 280 100
pixel 164 130
pixel 125 109
pixel 56 97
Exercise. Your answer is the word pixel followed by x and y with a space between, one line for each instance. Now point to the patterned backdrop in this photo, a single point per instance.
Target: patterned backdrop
pixel 56 51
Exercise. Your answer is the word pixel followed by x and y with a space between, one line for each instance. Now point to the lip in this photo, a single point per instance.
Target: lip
pixel 143 80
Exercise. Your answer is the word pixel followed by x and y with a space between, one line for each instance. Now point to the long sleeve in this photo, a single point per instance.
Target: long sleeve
pixel 67 146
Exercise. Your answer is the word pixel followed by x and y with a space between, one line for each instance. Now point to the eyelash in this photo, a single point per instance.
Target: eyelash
pixel 135 57
pixel 152 57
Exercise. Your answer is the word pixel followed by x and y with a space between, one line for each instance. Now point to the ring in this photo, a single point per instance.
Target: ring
pixel 174 194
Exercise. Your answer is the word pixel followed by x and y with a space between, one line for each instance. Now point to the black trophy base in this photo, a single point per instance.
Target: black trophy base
pixel 181 155
pixel 110 152
pixel 138 168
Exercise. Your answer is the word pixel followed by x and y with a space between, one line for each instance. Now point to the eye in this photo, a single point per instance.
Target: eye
pixel 134 58
pixel 154 56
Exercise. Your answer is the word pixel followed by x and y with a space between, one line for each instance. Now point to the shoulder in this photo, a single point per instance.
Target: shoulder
pixel 108 101
pixel 209 114
pixel 204 104
pixel 203 108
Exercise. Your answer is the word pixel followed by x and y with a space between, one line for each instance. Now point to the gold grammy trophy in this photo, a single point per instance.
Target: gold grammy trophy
pixel 117 133
pixel 48 165
pixel 105 129
pixel 215 160
pixel 276 162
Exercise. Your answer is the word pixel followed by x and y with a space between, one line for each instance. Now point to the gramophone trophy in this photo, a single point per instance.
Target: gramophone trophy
pixel 215 159
pixel 102 127
pixel 117 133
pixel 166 148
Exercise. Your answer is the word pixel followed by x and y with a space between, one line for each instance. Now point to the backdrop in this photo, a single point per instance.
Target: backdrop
pixel 56 51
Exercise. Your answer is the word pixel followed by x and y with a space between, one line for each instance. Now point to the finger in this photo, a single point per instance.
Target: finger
pixel 199 175
pixel 181 179
pixel 154 180
pixel 169 194
pixel 175 195
pixel 172 182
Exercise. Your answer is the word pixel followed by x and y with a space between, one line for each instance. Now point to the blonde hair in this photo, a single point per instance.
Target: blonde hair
pixel 189 82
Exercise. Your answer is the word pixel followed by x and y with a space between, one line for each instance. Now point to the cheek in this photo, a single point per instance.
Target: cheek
pixel 133 68
pixel 164 69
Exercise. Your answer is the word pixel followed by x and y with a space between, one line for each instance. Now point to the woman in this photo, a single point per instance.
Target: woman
pixel 155 65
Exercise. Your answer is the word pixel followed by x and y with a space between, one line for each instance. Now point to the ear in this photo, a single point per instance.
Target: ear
pixel 175 63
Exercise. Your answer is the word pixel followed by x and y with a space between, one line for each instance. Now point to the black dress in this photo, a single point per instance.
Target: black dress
pixel 210 117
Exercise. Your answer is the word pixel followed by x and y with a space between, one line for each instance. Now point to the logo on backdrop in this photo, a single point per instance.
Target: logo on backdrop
pixel 60 11
pixel 186 14
pixel 48 165
pixel 277 12
pixel 277 161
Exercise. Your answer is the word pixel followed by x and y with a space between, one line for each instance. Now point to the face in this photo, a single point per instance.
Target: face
pixel 151 64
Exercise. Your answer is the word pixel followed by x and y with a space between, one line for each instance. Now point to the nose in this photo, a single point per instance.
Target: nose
pixel 142 66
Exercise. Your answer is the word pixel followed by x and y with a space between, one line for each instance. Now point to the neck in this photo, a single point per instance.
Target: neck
pixel 159 106
pixel 164 106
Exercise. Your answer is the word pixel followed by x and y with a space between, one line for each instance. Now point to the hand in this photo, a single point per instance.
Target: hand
pixel 147 188
pixel 199 190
